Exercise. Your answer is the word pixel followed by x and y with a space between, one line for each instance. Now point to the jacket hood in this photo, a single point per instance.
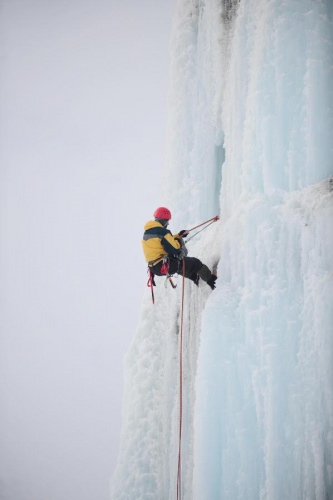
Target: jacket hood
pixel 152 223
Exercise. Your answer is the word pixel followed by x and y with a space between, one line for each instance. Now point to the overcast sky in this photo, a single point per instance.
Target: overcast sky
pixel 83 91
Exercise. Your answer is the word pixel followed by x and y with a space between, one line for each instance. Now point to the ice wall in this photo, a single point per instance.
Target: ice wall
pixel 264 407
pixel 250 136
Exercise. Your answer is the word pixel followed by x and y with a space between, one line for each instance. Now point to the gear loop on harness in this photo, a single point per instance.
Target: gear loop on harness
pixel 165 266
pixel 165 270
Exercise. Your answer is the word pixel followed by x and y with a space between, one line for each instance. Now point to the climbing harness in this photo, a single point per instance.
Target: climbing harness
pixel 164 271
pixel 179 470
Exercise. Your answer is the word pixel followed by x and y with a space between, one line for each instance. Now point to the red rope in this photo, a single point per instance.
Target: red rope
pixel 213 219
pixel 150 283
pixel 179 472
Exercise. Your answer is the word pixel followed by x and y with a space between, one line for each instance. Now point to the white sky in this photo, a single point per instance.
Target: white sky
pixel 83 91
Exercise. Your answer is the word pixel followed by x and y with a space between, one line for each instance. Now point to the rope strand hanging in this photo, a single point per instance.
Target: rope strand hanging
pixel 179 471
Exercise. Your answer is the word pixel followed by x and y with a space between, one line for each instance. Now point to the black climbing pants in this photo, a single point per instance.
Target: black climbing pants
pixel 193 267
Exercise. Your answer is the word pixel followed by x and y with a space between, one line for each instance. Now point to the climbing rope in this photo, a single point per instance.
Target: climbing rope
pixel 151 283
pixel 206 224
pixel 179 472
pixel 188 239
pixel 213 219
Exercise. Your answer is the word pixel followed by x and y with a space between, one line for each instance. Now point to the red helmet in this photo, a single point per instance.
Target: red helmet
pixel 162 213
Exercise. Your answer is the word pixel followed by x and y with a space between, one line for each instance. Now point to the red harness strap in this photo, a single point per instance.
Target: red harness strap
pixel 151 283
pixel 165 267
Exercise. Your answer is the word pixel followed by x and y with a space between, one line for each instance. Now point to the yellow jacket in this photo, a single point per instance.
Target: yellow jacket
pixel 158 241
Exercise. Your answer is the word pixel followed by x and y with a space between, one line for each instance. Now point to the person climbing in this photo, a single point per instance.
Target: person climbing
pixel 165 252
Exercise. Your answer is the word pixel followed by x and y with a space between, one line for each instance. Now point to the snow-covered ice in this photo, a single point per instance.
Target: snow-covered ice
pixel 250 136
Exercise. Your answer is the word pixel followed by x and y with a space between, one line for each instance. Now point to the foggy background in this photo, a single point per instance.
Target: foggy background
pixel 83 91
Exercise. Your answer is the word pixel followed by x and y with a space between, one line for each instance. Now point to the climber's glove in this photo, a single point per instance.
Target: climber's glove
pixel 182 253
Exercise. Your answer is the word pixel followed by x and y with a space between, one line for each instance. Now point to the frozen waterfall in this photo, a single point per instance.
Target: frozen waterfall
pixel 250 136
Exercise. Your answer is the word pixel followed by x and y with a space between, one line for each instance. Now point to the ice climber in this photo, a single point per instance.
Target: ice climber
pixel 164 252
